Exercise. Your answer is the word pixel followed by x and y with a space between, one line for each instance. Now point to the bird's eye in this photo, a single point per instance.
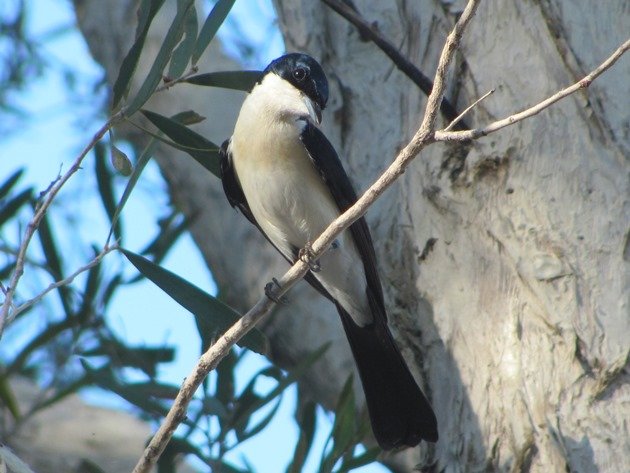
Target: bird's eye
pixel 300 74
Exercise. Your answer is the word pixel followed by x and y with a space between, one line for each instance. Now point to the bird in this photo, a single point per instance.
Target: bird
pixel 279 169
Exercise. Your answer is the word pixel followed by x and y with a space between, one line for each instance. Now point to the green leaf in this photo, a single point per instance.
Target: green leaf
pixel 106 188
pixel 105 378
pixel 284 381
pixel 7 270
pixel 147 11
pixel 171 228
pixel 305 415
pixel 343 428
pixel 345 419
pixel 154 77
pixel 204 151
pixel 121 161
pixel 7 185
pixel 259 427
pixel 184 50
pixel 235 80
pixel 110 289
pixel 212 316
pixel 10 208
pixel 131 183
pixel 188 117
pixel 143 358
pixel 156 390
pixel 225 390
pixel 54 262
pixel 220 466
pixel 210 27
pixel 8 397
pixel 248 401
pixel 168 461
pixel 92 286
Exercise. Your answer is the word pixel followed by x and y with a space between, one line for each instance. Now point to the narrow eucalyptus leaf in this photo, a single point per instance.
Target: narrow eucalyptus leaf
pixel 154 77
pixel 284 381
pixel 92 286
pixel 205 152
pixel 188 117
pixel 184 50
pixel 305 416
pixel 105 378
pixel 235 80
pixel 131 183
pixel 211 315
pixel 121 162
pixel 215 19
pixel 53 260
pixel 7 185
pixel 10 208
pixel 8 397
pixel 259 427
pixel 105 183
pixel 344 426
pixel 147 11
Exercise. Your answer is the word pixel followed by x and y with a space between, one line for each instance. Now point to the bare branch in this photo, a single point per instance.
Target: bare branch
pixel 468 109
pixel 371 32
pixel 48 196
pixel 530 112
pixel 63 282
pixel 211 358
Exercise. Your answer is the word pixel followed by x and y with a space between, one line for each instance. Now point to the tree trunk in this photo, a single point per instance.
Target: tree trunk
pixel 504 262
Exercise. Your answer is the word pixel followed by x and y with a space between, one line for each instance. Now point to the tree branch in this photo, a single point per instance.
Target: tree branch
pixel 211 358
pixel 446 135
pixel 371 32
pixel 63 282
pixel 47 198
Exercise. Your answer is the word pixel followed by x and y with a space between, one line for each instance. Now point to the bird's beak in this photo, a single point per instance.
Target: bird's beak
pixel 314 110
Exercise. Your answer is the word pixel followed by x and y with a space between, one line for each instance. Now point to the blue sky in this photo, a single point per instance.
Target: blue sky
pixel 56 128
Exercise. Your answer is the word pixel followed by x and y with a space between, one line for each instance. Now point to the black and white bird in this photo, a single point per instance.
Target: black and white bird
pixel 279 169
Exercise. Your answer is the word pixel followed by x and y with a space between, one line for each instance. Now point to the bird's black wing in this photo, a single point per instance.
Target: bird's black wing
pixel 327 163
pixel 231 186
pixel 236 198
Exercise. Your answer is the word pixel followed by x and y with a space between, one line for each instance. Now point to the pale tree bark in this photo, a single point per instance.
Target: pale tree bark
pixel 516 319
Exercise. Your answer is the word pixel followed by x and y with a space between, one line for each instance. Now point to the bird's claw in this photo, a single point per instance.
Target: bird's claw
pixel 269 287
pixel 306 255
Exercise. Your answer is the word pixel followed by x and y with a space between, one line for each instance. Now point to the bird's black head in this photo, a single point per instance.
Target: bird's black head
pixel 304 73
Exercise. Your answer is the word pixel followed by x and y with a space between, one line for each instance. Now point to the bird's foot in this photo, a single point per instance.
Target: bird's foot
pixel 306 255
pixel 269 287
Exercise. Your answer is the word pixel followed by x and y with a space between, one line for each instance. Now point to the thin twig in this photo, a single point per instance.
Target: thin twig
pixel 530 112
pixel 211 358
pixel 468 109
pixel 371 32
pixel 168 83
pixel 63 282
pixel 41 209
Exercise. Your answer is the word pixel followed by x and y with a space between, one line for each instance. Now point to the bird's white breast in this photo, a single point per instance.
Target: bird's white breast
pixel 285 193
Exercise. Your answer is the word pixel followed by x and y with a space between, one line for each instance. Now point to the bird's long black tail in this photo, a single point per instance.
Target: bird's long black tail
pixel 399 412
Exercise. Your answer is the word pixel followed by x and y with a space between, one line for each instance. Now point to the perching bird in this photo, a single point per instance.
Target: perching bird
pixel 283 174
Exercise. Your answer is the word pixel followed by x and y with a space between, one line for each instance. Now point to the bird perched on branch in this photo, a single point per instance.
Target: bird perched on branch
pixel 282 173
